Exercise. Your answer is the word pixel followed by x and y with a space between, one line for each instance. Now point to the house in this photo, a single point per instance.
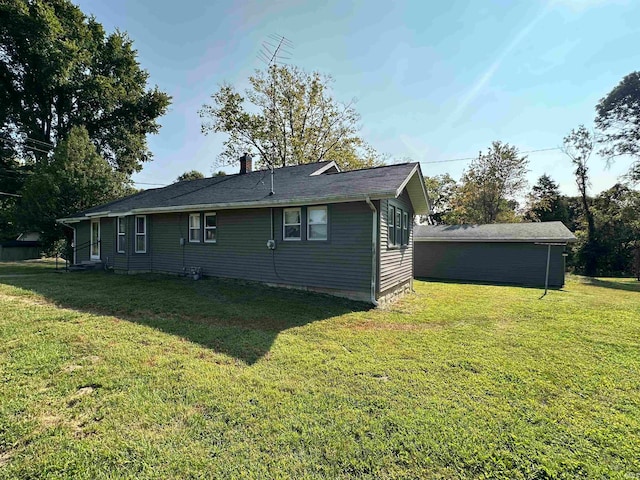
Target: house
pixel 516 253
pixel 308 226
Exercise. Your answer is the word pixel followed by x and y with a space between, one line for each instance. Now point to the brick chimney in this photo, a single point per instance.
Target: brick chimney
pixel 246 163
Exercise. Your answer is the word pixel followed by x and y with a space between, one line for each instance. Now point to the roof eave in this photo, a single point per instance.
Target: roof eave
pixel 237 205
pixel 414 183
pixel 494 240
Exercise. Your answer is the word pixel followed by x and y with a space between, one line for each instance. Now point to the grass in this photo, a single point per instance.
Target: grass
pixel 106 376
pixel 46 265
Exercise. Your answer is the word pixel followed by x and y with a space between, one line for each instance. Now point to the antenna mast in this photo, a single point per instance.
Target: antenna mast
pixel 271 54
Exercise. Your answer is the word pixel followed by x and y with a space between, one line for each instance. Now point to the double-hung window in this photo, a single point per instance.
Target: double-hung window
pixel 122 239
pixel 317 223
pixel 398 226
pixel 141 234
pixel 194 227
pixel 210 227
pixel 291 224
pixel 391 226
pixel 405 228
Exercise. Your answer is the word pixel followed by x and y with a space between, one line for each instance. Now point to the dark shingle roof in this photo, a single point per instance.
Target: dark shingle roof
pixel 291 184
pixel 497 232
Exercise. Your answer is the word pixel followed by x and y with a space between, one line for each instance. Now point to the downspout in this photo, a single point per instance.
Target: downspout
pixel 374 248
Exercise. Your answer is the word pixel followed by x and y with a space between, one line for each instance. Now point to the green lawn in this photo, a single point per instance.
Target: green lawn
pixel 108 376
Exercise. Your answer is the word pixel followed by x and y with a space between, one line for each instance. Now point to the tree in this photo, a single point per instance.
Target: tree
pixel 289 117
pixel 489 186
pixel 618 118
pixel 578 146
pixel 545 203
pixel 58 69
pixel 617 218
pixel 74 179
pixel 441 189
pixel 190 175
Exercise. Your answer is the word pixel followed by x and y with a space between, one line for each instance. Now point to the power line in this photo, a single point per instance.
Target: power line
pixel 10 194
pixel 473 158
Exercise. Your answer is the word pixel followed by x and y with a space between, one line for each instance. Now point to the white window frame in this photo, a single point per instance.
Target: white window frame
pixel 205 228
pixel 326 215
pixel 195 215
pixel 285 224
pixel 140 234
pixel 120 222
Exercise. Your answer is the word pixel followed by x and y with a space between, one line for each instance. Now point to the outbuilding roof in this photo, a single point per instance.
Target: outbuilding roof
pixel 313 183
pixel 546 232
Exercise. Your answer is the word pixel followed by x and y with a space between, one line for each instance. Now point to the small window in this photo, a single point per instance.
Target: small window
pixel 141 234
pixel 391 226
pixel 398 226
pixel 194 227
pixel 405 228
pixel 291 224
pixel 210 227
pixel 122 240
pixel 317 223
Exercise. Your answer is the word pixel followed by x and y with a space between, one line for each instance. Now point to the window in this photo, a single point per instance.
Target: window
pixel 398 226
pixel 317 223
pixel 391 226
pixel 210 227
pixel 141 234
pixel 194 227
pixel 405 228
pixel 291 224
pixel 122 240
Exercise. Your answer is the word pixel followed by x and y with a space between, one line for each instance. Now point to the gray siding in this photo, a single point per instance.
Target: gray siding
pixel 83 236
pixel 343 262
pixel 107 240
pixel 396 263
pixel 517 263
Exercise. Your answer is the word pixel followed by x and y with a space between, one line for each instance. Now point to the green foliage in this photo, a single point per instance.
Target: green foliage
pixel 190 175
pixel 546 203
pixel 441 189
pixel 73 179
pixel 58 69
pixel 578 146
pixel 617 220
pixel 489 186
pixel 455 381
pixel 618 118
pixel 289 117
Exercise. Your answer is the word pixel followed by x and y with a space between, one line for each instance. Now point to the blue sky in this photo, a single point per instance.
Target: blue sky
pixel 434 80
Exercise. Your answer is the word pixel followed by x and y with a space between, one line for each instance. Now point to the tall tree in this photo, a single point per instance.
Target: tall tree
pixel 441 190
pixel 617 217
pixel 490 185
pixel 618 117
pixel 546 203
pixel 58 69
pixel 75 178
pixel 578 146
pixel 289 117
pixel 190 175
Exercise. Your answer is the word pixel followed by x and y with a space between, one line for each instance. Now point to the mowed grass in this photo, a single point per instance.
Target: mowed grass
pixel 108 376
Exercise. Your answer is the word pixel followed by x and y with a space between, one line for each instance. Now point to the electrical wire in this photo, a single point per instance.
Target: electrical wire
pixel 473 158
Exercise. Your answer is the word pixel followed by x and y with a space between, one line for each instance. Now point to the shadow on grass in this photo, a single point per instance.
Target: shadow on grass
pixel 240 319
pixel 619 285
pixel 491 284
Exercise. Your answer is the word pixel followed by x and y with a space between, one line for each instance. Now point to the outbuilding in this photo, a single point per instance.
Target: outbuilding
pixel 513 253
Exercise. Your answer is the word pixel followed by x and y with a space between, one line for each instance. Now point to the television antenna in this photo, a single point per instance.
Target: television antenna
pixel 272 53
